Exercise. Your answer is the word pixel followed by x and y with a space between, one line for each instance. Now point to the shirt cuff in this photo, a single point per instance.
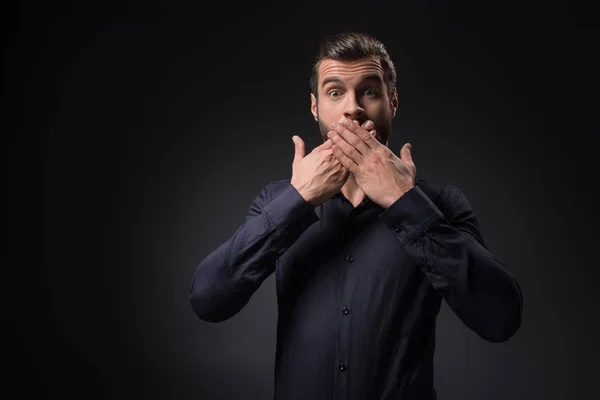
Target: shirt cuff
pixel 289 211
pixel 411 214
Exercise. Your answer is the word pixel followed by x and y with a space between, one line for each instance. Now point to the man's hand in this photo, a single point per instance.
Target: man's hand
pixel 378 171
pixel 319 175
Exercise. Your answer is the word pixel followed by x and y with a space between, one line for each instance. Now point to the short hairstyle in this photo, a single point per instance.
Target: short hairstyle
pixel 352 46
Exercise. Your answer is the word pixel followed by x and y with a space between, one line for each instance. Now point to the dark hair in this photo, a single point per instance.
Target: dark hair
pixel 353 46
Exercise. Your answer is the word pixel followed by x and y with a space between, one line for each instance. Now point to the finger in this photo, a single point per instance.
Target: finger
pixel 405 154
pixel 346 132
pixel 346 162
pixel 357 135
pixel 363 124
pixel 371 143
pixel 345 171
pixel 300 148
pixel 370 140
pixel 325 145
pixel 347 148
pixel 368 125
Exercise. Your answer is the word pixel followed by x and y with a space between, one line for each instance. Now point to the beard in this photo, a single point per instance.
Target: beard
pixel 382 131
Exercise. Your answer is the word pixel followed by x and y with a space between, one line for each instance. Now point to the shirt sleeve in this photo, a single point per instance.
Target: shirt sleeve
pixel 449 249
pixel 224 281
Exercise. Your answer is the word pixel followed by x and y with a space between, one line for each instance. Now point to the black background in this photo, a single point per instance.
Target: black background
pixel 144 130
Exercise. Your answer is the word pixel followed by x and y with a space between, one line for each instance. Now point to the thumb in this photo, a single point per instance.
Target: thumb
pixel 405 154
pixel 300 148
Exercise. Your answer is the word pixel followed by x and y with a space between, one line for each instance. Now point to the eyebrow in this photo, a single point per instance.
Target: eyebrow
pixel 335 79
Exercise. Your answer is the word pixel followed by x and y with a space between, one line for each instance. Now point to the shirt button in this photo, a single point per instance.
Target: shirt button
pixel 342 367
pixel 349 258
pixel 397 227
pixel 345 310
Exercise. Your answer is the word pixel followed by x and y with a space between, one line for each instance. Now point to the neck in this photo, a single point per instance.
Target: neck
pixel 352 191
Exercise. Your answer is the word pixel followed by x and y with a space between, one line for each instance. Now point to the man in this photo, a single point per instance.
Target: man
pixel 363 251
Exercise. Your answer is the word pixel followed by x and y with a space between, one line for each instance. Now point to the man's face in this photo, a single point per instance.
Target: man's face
pixel 355 90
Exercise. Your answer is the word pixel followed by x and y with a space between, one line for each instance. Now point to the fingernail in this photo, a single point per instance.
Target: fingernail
pixel 347 123
pixel 369 124
pixel 334 125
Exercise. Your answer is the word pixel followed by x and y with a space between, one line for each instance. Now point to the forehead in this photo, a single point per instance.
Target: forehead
pixel 350 69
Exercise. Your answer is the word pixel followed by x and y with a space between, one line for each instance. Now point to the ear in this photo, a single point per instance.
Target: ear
pixel 313 106
pixel 394 102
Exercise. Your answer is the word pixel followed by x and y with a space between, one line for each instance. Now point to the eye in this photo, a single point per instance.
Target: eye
pixel 334 93
pixel 371 92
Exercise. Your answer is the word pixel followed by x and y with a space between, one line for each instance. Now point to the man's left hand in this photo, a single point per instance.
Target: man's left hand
pixel 377 170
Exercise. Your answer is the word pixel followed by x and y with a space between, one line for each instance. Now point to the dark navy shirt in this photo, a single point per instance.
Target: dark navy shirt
pixel 359 288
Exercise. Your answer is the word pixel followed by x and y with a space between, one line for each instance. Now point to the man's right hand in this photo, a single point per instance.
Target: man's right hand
pixel 319 175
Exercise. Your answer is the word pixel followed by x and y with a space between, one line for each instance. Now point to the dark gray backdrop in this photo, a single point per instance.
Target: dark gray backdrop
pixel 149 128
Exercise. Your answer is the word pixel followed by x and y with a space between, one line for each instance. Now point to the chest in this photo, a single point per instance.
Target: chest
pixel 345 252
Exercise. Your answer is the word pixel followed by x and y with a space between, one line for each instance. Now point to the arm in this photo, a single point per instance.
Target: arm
pixel 226 279
pixel 451 252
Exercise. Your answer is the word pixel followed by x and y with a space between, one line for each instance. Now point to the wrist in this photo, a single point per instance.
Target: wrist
pixel 395 196
pixel 305 194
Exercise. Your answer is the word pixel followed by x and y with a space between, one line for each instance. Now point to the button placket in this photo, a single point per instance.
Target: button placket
pixel 345 320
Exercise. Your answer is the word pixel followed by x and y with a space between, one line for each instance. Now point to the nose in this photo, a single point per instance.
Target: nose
pixel 353 109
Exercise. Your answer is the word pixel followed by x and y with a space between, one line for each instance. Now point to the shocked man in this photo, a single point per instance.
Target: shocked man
pixel 363 251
